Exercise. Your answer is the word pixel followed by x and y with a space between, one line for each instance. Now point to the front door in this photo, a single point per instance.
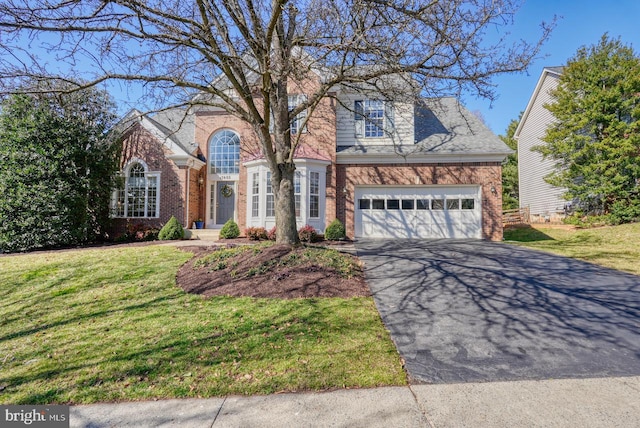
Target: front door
pixel 225 201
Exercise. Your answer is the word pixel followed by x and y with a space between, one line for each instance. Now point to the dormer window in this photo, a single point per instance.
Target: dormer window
pixel 372 118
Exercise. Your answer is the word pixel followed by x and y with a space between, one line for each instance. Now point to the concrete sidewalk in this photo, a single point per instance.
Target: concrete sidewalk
pixel 607 402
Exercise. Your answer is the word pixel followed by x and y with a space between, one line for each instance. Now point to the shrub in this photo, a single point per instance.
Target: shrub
pixel 307 234
pixel 256 233
pixel 624 212
pixel 230 230
pixel 171 231
pixel 271 235
pixel 57 168
pixel 335 231
pixel 137 232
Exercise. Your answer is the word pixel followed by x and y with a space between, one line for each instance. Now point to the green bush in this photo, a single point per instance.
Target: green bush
pixel 625 212
pixel 230 230
pixel 171 231
pixel 335 231
pixel 57 169
pixel 256 233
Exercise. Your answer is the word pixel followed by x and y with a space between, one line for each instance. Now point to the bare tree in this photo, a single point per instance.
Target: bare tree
pixel 242 55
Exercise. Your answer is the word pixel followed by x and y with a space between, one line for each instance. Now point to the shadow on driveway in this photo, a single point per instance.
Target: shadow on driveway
pixel 473 311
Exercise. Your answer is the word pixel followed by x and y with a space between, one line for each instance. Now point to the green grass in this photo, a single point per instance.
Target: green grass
pixel 111 325
pixel 617 247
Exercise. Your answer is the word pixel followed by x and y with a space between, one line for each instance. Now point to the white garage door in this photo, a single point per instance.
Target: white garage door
pixel 418 212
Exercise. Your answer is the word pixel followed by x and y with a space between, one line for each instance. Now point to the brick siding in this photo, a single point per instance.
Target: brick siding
pixel 487 175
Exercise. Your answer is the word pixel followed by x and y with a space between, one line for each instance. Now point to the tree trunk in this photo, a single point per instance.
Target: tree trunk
pixel 283 190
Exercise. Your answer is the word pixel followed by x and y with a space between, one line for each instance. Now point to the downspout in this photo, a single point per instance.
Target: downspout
pixel 186 210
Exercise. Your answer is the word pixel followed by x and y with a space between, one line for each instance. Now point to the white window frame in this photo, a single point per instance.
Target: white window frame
pixel 314 194
pixel 304 170
pixel 255 195
pixel 220 149
pixel 270 200
pixel 121 203
pixel 297 192
pixel 301 118
pixel 382 122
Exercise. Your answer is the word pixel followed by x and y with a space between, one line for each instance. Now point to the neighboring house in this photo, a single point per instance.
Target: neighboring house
pixel 545 201
pixel 385 169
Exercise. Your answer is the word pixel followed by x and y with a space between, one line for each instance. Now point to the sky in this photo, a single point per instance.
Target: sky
pixel 580 23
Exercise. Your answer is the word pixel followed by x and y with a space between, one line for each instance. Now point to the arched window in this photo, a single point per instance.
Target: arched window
pixel 224 153
pixel 138 193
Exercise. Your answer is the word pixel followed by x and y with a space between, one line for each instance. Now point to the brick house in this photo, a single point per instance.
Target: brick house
pixel 385 169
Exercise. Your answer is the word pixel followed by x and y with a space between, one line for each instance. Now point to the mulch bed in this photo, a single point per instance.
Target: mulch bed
pixel 308 280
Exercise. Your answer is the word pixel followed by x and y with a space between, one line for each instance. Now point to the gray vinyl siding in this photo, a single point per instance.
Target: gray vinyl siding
pixel 535 192
pixel 403 133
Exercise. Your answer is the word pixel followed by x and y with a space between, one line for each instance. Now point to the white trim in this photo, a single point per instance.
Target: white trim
pixel 147 174
pixel 359 158
pixel 304 169
pixel 296 161
pixel 532 100
pixel 188 161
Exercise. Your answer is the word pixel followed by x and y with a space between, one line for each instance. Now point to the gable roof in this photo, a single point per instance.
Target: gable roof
pixel 444 129
pixel 179 125
pixel 555 71
pixel 181 154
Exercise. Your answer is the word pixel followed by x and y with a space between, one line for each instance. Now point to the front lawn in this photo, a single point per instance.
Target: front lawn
pixel 111 325
pixel 617 247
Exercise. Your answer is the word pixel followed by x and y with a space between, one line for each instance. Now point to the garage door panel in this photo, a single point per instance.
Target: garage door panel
pixel 419 212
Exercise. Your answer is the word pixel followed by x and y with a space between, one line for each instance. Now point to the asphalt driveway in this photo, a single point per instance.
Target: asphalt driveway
pixel 473 311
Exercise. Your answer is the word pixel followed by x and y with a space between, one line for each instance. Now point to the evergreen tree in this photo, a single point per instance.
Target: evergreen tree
pixel 595 140
pixel 510 184
pixel 56 168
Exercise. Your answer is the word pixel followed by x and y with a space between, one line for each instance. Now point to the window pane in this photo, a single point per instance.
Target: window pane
pixel 297 202
pixel 422 204
pixel 468 204
pixel 373 111
pixel 271 209
pixel 297 188
pixel 314 195
pixel 152 196
pixel 314 207
pixel 224 153
pixel 378 204
pixel 270 203
pixel 453 204
pixel 393 204
pixel 296 122
pixel 407 204
pixel 136 191
pixel 314 183
pixel 364 204
pixel 437 204
pixel 255 195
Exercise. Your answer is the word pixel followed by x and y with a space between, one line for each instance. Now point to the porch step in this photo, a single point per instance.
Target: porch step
pixel 203 234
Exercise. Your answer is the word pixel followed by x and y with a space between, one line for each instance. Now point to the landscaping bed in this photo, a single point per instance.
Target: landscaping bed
pixel 272 271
